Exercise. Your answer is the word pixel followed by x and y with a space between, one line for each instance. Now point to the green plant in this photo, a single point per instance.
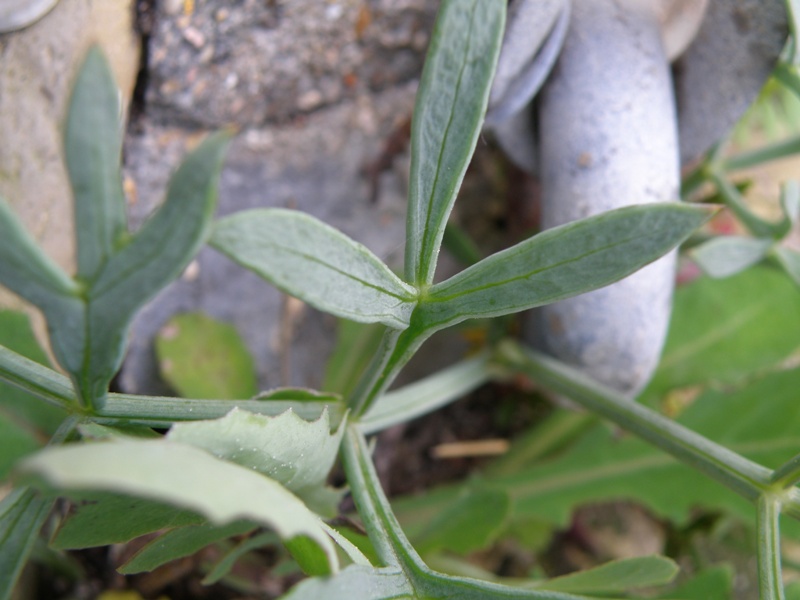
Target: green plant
pixel 227 468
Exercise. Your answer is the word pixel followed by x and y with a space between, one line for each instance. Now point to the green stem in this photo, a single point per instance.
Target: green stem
pixel 732 470
pixel 382 527
pixel 427 395
pixel 395 350
pixel 770 583
pixel 788 474
pixel 734 200
pixel 753 158
pixel 156 411
pixel 394 549
pixel 36 379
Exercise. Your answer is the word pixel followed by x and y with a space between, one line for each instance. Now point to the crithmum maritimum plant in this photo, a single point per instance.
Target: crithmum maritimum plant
pixel 231 468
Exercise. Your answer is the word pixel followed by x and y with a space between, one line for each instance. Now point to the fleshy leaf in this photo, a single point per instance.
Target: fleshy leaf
pixel 308 259
pixel 181 475
pixel 92 151
pixel 203 358
pixel 615 576
pixel 561 262
pixel 449 111
pixel 104 519
pixel 297 453
pixel 180 542
pixel 728 255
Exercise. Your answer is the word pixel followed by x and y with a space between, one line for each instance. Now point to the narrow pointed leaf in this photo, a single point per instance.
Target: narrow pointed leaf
pixel 286 448
pixel 91 349
pixel 181 475
pixel 310 260
pixel 561 262
pixel 92 148
pixel 105 519
pixel 25 269
pixel 181 542
pixel 615 576
pixel 728 255
pixel 451 103
pixel 22 513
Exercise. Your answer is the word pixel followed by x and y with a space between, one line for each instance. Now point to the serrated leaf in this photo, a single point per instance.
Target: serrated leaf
pixel 105 519
pixel 204 358
pixel 615 576
pixel 449 110
pixel 725 331
pixel 22 513
pixel 310 260
pixel 180 542
pixel 92 152
pixel 728 255
pixel 470 523
pixel 297 453
pixel 181 475
pixel 561 262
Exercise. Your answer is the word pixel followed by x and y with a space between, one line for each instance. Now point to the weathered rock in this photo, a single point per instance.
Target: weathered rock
pixel 252 62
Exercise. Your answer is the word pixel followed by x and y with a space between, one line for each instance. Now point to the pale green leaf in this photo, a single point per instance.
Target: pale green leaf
pixel 297 453
pixel 203 358
pixel 306 258
pixel 727 255
pixel 22 513
pixel 790 261
pixel 26 270
pixel 372 584
pixel 426 395
pixel 180 542
pixel 615 576
pixel 92 152
pixel 226 563
pixel 725 331
pixel 450 107
pixel 103 519
pixel 182 475
pixel 156 255
pixel 561 262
